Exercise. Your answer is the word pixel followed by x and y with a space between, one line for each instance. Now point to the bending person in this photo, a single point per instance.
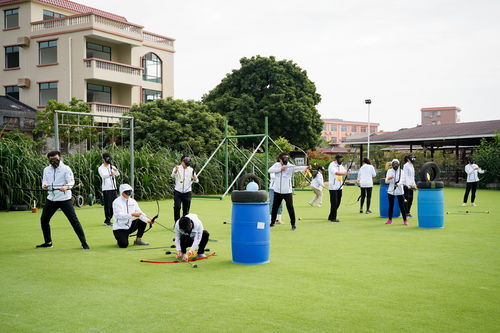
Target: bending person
pixel 128 218
pixel 365 181
pixel 184 177
pixel 189 233
pixel 394 178
pixel 108 175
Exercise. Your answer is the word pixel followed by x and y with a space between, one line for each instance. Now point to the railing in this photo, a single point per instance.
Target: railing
pixel 105 108
pixel 124 26
pixel 112 66
pixel 60 22
pixel 151 37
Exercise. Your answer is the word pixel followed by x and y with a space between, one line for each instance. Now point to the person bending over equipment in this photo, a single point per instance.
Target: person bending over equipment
pixel 108 173
pixel 408 182
pixel 184 176
pixel 128 218
pixel 365 181
pixel 317 185
pixel 58 179
pixel 394 178
pixel 472 171
pixel 189 232
pixel 335 183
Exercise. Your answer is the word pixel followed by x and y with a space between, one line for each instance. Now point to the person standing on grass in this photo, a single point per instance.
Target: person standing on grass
pixel 284 171
pixel 317 185
pixel 408 182
pixel 108 175
pixel 184 176
pixel 272 177
pixel 335 184
pixel 58 179
pixel 365 182
pixel 472 171
pixel 189 232
pixel 128 218
pixel 395 178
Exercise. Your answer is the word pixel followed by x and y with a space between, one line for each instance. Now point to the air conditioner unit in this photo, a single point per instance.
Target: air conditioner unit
pixel 23 41
pixel 23 82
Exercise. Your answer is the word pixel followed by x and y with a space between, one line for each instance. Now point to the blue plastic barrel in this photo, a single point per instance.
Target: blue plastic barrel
pixel 430 208
pixel 384 202
pixel 250 233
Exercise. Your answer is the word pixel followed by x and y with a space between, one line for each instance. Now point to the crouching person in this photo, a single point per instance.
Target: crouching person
pixel 189 232
pixel 128 218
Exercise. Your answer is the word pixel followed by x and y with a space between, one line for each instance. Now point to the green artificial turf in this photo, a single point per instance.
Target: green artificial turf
pixel 355 276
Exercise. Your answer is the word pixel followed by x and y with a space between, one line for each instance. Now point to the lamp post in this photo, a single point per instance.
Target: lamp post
pixel 368 102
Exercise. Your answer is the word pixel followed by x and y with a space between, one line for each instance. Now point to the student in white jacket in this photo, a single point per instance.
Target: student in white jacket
pixel 472 171
pixel 184 176
pixel 128 218
pixel 108 175
pixel 58 179
pixel 317 185
pixel 189 232
pixel 395 178
pixel 409 182
pixel 365 182
pixel 284 171
pixel 335 183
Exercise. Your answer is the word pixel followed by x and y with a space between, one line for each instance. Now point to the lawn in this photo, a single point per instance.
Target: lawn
pixel 359 275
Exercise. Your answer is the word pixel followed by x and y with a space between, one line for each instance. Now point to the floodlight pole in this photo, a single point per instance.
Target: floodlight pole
pixel 132 176
pixel 226 156
pixel 266 156
pixel 368 102
pixel 56 132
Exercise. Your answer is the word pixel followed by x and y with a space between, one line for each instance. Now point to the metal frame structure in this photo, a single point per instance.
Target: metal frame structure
pixel 58 124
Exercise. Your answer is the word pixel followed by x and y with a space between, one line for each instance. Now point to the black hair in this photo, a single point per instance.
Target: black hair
pixel 53 153
pixel 366 160
pixel 183 157
pixel 104 155
pixel 282 156
pixel 185 224
pixel 315 173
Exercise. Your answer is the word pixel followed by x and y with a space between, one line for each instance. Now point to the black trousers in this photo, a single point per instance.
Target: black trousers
pixel 401 202
pixel 335 199
pixel 67 207
pixel 408 196
pixel 470 186
pixel 278 198
pixel 187 241
pixel 121 235
pixel 183 199
pixel 109 197
pixel 366 192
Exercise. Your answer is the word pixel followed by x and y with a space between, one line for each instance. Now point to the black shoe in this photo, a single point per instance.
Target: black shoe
pixel 44 246
pixel 361 211
pixel 85 246
pixel 271 225
pixel 294 227
pixel 336 220
pixel 109 224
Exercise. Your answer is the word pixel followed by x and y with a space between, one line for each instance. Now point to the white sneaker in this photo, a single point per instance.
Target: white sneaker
pixel 319 205
pixel 473 204
pixel 310 204
pixel 464 204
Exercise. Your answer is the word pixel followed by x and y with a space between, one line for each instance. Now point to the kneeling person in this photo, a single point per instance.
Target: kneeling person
pixel 128 218
pixel 189 232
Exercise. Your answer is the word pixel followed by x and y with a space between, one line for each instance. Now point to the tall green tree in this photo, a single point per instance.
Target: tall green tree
pixel 488 158
pixel 179 125
pixel 263 87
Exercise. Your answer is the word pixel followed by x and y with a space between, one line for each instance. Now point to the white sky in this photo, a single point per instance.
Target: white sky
pixel 404 55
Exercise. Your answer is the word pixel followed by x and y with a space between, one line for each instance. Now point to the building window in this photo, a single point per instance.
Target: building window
pixel 324 127
pixel 344 128
pixel 29 123
pixel 333 128
pixel 334 140
pixel 12 91
pixel 11 121
pixel 48 91
pixel 98 93
pixel 47 52
pixel 98 51
pixel 49 15
pixel 11 18
pixel 150 95
pixel 353 128
pixel 152 68
pixel 12 57
pixel 363 129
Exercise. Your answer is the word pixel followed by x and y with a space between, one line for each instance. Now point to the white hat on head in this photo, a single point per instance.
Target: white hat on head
pixel 125 187
pixel 394 160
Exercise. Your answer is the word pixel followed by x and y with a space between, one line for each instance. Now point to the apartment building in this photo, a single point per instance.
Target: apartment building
pixel 440 115
pixel 59 49
pixel 336 130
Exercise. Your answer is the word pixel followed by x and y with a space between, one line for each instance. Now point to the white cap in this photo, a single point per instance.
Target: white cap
pixel 394 160
pixel 125 187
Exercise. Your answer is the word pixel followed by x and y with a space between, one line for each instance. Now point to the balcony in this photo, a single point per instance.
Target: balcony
pixel 107 109
pixel 133 33
pixel 112 71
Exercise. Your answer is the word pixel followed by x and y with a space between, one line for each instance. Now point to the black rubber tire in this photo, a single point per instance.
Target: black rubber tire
pixel 249 196
pixel 248 176
pixel 430 168
pixel 79 201
pixel 432 184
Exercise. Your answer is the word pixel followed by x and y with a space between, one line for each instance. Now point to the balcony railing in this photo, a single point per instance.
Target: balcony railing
pixel 67 21
pixel 151 37
pixel 112 66
pixel 105 108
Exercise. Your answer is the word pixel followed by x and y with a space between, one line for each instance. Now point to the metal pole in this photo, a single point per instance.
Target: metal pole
pixel 132 152
pixel 369 132
pixel 56 131
pixel 266 157
pixel 226 157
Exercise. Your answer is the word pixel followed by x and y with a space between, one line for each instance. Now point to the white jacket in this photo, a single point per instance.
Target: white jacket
pixel 318 182
pixel 472 175
pixel 56 178
pixel 335 181
pixel 183 178
pixel 283 178
pixel 409 175
pixel 196 233
pixel 108 181
pixel 123 208
pixel 397 177
pixel 365 175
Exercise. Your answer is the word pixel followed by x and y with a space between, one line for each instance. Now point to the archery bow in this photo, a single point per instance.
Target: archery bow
pixel 349 168
pixel 152 220
pixel 177 261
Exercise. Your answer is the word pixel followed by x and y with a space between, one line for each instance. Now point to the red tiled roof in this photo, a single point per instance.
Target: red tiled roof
pixel 70 5
pixel 441 108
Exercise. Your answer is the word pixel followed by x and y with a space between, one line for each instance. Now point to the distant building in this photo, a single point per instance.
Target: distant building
pixel 336 130
pixel 15 115
pixel 440 115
